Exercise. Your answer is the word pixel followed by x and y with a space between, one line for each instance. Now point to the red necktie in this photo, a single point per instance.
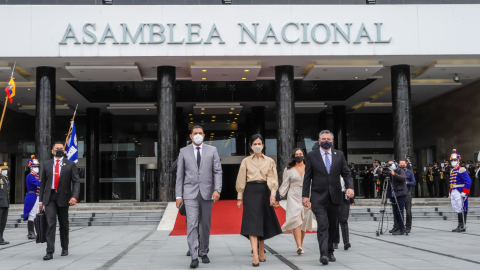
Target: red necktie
pixel 57 176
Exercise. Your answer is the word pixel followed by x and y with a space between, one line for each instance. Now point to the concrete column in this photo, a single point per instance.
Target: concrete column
pixel 92 184
pixel 402 111
pixel 166 110
pixel 45 112
pixel 285 109
pixel 340 129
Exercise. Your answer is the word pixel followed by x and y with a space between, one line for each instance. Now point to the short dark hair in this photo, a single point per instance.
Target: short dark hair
pixel 402 160
pixel 55 143
pixel 196 126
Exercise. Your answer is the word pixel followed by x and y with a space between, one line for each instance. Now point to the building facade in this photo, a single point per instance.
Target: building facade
pixel 383 78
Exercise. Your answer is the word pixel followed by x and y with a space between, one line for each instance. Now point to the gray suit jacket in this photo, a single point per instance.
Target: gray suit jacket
pixel 191 179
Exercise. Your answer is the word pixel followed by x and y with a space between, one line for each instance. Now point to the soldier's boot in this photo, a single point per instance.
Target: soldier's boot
pixel 461 226
pixel 31 230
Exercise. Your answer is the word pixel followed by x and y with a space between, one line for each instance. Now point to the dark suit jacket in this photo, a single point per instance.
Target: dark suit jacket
pixel 68 177
pixel 324 184
pixel 5 192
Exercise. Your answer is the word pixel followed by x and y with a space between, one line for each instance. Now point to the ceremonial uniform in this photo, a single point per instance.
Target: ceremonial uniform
pixel 418 183
pixel 377 180
pixel 4 201
pixel 30 205
pixel 429 178
pixel 436 180
pixel 353 173
pixel 460 183
pixel 445 182
pixel 471 173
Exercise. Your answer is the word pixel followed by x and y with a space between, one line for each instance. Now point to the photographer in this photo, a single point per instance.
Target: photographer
pixel 399 184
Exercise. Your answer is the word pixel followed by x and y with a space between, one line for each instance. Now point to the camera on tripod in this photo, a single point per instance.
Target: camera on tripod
pixel 386 169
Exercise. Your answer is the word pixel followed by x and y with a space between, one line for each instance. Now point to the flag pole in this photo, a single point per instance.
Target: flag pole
pixel 6 99
pixel 70 129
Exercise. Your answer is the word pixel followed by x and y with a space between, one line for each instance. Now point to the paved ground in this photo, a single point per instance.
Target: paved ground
pixel 431 245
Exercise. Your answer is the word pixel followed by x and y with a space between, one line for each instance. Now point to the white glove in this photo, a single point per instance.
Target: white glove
pixel 464 194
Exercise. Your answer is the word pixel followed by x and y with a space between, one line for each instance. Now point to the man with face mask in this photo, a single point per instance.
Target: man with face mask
pixel 460 183
pixel 30 205
pixel 397 191
pixel 410 178
pixel 199 184
pixel 59 189
pixel 322 172
pixel 4 200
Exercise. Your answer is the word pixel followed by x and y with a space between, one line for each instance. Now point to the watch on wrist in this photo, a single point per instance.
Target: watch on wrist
pixel 218 191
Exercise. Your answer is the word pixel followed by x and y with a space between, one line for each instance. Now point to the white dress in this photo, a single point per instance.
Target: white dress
pixel 297 214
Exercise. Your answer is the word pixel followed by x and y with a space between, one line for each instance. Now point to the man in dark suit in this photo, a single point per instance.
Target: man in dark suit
pixel 323 170
pixel 58 175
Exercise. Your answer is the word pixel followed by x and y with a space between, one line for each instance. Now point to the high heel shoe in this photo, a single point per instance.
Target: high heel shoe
pixel 255 264
pixel 264 260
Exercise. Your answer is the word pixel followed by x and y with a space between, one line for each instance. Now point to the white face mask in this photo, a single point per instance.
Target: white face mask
pixel 198 139
pixel 393 166
pixel 4 172
pixel 454 163
pixel 257 148
pixel 35 170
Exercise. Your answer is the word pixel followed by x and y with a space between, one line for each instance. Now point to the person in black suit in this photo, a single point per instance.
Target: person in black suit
pixel 4 200
pixel 323 170
pixel 58 175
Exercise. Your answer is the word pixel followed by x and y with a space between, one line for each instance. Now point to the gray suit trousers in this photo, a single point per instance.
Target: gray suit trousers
pixel 198 210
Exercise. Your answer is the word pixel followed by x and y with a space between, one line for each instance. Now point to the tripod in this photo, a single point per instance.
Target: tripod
pixel 386 184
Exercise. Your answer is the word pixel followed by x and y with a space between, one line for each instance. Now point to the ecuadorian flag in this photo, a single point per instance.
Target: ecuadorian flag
pixel 10 89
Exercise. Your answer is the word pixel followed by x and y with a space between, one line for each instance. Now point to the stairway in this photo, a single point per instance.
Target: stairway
pixel 418 213
pixel 101 214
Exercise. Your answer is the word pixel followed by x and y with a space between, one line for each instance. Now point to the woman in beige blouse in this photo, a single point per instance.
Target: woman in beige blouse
pixel 257 184
pixel 298 218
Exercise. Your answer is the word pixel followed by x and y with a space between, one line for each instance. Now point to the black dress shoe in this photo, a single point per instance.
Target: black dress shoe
pixel 335 245
pixel 324 260
pixel 64 252
pixel 332 258
pixel 205 259
pixel 394 229
pixel 47 257
pixel 188 253
pixel 194 263
pixel 398 232
pixel 407 230
pixel 4 242
pixel 347 246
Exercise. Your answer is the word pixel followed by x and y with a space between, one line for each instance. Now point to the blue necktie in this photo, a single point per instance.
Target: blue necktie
pixel 327 162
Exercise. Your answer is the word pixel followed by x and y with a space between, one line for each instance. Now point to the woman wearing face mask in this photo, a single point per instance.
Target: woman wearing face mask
pixel 30 208
pixel 257 184
pixel 298 218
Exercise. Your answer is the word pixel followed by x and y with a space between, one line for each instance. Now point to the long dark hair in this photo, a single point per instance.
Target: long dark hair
pixel 292 161
pixel 253 138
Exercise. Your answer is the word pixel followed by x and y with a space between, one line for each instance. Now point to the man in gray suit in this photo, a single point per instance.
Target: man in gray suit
pixel 199 184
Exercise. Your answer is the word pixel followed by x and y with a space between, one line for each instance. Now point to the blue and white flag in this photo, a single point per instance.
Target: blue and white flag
pixel 72 147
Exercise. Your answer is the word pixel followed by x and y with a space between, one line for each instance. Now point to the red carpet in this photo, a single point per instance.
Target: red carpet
pixel 226 219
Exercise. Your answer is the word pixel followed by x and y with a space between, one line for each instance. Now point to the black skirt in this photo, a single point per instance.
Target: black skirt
pixel 259 217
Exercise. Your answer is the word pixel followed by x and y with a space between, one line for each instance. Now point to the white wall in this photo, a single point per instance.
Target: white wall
pixel 35 30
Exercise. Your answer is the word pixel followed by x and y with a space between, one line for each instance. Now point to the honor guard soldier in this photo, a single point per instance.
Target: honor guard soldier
pixel 460 183
pixel 430 181
pixel 445 182
pixel 353 173
pixel 4 200
pixel 378 182
pixel 436 179
pixel 30 208
pixel 471 173
pixel 409 163
pixel 418 183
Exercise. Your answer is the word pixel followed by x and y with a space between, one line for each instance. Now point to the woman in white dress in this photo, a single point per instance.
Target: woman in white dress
pixel 298 218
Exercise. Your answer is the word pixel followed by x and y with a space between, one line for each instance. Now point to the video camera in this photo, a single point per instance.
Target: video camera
pixel 386 169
